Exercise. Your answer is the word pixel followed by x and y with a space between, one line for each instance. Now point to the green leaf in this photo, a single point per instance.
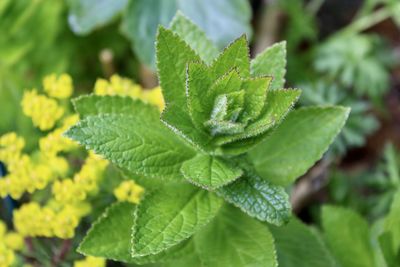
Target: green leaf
pixel 278 104
pixel 348 237
pixel 194 36
pixel 271 62
pixel 141 144
pixel 298 142
pixel 170 215
pixel 386 245
pixel 298 245
pixel 392 222
pixel 87 15
pixel 88 105
pixel 236 55
pixel 110 236
pixel 235 240
pixel 209 172
pixel 140 22
pixel 258 198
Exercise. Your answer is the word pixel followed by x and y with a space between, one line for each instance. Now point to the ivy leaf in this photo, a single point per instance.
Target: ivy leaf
pixel 194 36
pixel 170 215
pixel 298 245
pixel 236 55
pixel 235 240
pixel 348 237
pixel 88 105
pixel 258 198
pixel 209 172
pixel 109 236
pixel 138 143
pixel 271 62
pixel 298 142
pixel 87 15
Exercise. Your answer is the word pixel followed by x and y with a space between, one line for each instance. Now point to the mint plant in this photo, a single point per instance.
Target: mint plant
pixel 217 161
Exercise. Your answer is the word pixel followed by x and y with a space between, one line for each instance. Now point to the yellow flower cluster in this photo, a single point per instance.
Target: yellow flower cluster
pixel 58 87
pixel 50 221
pixel 44 111
pixel 125 87
pixel 10 242
pixel 129 191
pixel 90 262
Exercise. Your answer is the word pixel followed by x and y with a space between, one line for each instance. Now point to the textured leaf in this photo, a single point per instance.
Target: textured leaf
pixel 140 23
pixel 170 215
pixel 236 55
pixel 209 172
pixel 194 36
pixel 298 245
pixel 258 198
pixel 235 240
pixel 140 144
pixel 87 15
pixel 298 142
pixel 348 237
pixel 93 105
pixel 222 20
pixel 271 62
pixel 278 104
pixel 110 236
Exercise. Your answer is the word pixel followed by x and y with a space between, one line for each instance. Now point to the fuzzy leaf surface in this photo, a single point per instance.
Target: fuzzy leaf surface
pixel 233 239
pixel 271 62
pixel 298 142
pixel 348 237
pixel 209 172
pixel 258 198
pixel 140 144
pixel 170 215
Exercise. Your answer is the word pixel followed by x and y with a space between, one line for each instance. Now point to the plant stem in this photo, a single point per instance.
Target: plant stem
pixel 62 253
pixel 367 21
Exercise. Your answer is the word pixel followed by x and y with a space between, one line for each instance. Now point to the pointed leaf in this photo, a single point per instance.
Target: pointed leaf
pixel 298 142
pixel 235 240
pixel 258 198
pixel 271 62
pixel 140 144
pixel 209 172
pixel 194 36
pixel 392 222
pixel 170 215
pixel 348 237
pixel 236 55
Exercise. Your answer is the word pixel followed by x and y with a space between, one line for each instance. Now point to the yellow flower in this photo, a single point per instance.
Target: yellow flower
pixel 65 223
pixel 7 256
pixel 58 87
pixel 153 96
pixel 129 191
pixel 90 262
pixel 44 111
pixel 14 241
pixel 3 229
pixel 66 191
pixel 11 146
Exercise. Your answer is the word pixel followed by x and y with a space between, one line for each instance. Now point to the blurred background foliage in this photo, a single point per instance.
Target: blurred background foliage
pixel 340 52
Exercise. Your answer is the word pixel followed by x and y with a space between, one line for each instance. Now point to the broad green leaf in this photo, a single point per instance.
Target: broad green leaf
pixel 222 20
pixel 209 172
pixel 233 239
pixel 278 104
pixel 271 62
pixel 236 55
pixel 348 237
pixel 170 215
pixel 258 198
pixel 173 54
pixel 389 254
pixel 87 15
pixel 88 105
pixel 140 22
pixel 298 245
pixel 141 144
pixel 392 222
pixel 298 142
pixel 110 236
pixel 194 36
